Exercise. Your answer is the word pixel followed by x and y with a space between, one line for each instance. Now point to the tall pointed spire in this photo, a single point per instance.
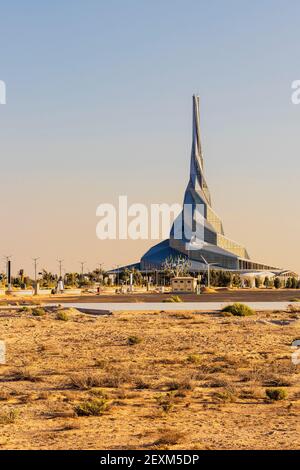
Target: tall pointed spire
pixel 197 179
pixel 196 145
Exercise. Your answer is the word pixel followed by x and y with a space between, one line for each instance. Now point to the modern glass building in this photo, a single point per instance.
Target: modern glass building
pixel 201 238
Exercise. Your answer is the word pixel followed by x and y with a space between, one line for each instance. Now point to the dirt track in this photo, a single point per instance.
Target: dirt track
pixel 283 295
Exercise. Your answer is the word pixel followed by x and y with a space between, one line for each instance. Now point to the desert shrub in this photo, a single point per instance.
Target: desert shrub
pixel 99 393
pixel 101 363
pixel 218 383
pixel 295 300
pixel 173 298
pixel 293 309
pixel 227 314
pixel 43 395
pixel 173 385
pixel 26 309
pixel 140 384
pixel 277 283
pixel 168 437
pixel 114 379
pixel 84 381
pixel 182 316
pixel 276 381
pixel 184 384
pixel 62 315
pixel 249 393
pixel 194 358
pixel 95 407
pixel 238 310
pixel 4 395
pixel 132 340
pixel 225 396
pixel 165 402
pixel 38 312
pixel 24 374
pixel 276 394
pixel 9 417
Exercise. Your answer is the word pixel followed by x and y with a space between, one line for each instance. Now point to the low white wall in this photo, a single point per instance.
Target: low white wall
pixel 44 291
pixel 22 293
pixel 72 291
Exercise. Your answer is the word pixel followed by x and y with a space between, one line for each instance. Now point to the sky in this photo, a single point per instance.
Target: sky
pixel 99 104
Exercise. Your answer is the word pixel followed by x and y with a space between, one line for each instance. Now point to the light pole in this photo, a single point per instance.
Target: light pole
pixel 208 269
pixel 118 275
pixel 8 272
pixel 60 262
pixel 35 260
pixel 82 263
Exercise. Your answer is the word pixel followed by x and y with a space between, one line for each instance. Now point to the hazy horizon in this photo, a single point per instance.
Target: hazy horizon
pixel 99 104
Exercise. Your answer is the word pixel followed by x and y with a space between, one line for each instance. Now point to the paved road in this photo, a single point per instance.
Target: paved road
pixel 243 295
pixel 194 306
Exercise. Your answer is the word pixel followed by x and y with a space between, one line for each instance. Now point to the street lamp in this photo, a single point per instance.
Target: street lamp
pixel 60 262
pixel 118 274
pixel 208 269
pixel 8 272
pixel 35 260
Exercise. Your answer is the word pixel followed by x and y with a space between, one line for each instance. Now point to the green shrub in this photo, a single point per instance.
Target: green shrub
pixel 38 312
pixel 276 394
pixel 277 283
pixel 26 309
pixel 95 407
pixel 238 310
pixel 62 315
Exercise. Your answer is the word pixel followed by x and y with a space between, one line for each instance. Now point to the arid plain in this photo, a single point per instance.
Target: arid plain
pixel 148 380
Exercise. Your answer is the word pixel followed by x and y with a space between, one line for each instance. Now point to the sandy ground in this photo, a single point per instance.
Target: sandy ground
pixel 193 381
pixel 221 295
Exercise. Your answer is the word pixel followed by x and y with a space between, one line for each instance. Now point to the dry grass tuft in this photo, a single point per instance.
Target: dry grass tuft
pixel 9 417
pixel 168 437
pixel 84 381
pixel 23 374
pixel 133 340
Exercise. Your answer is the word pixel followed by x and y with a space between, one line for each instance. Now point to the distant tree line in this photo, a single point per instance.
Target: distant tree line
pixel 171 268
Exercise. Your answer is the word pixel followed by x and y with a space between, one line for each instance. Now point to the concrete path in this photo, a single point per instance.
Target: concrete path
pixel 194 306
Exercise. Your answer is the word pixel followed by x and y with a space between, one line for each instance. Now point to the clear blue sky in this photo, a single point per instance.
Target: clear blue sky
pixel 99 104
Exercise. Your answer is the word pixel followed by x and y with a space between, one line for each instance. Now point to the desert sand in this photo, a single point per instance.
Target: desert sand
pixel 162 381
